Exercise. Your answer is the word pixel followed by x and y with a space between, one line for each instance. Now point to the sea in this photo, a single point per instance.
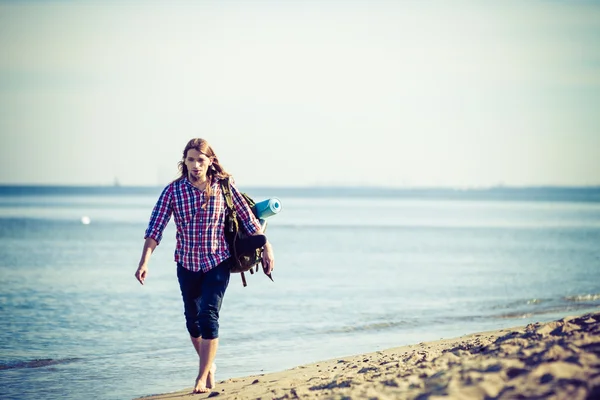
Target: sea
pixel 356 270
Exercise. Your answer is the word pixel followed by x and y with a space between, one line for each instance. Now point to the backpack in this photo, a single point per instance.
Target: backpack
pixel 248 260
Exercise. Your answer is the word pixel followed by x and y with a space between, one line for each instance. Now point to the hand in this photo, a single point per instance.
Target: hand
pixel 268 260
pixel 141 273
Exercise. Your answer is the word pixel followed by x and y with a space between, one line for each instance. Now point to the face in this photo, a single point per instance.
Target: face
pixel 197 164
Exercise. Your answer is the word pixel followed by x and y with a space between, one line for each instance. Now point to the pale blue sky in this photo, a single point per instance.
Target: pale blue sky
pixel 386 93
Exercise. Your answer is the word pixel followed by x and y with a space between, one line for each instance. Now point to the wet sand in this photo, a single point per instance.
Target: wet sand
pixel 555 360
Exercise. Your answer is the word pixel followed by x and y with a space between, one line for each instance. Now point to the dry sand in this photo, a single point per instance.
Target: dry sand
pixel 555 360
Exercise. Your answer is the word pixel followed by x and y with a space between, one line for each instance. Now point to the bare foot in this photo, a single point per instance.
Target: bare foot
pixel 200 386
pixel 210 380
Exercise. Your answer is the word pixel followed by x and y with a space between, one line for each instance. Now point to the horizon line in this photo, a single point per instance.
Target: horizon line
pixel 322 186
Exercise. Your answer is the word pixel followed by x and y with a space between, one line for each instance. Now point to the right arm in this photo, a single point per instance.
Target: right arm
pixel 161 214
pixel 149 246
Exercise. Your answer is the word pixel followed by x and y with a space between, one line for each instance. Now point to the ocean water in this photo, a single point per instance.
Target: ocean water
pixel 357 270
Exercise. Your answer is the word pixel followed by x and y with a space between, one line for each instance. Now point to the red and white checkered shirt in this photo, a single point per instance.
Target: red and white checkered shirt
pixel 201 243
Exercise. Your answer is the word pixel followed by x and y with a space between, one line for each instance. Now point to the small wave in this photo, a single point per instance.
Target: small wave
pixel 549 310
pixel 519 303
pixel 38 363
pixel 379 326
pixel 516 315
pixel 525 306
pixel 534 301
pixel 585 297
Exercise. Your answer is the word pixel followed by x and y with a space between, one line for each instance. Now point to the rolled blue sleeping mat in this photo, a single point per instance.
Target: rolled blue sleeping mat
pixel 267 208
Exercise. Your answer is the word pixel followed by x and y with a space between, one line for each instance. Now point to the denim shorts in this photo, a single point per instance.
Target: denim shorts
pixel 202 294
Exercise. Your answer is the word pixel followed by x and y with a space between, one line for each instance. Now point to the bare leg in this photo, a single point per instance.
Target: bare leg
pixel 210 381
pixel 207 350
pixel 196 343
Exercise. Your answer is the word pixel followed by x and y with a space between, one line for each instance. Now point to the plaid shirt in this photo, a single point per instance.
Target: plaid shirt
pixel 201 243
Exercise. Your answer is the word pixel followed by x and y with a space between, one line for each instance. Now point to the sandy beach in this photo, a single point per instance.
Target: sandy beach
pixel 554 360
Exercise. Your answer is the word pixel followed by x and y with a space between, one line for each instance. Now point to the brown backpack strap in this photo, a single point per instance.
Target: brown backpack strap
pixel 233 224
pixel 226 189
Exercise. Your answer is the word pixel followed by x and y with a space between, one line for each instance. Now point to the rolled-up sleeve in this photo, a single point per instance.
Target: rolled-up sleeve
pixel 249 221
pixel 161 214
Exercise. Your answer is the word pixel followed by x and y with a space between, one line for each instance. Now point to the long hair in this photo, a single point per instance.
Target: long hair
pixel 214 172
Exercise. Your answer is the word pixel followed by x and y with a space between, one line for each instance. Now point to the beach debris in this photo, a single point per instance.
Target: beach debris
pixel 367 369
pixel 390 382
pixel 333 384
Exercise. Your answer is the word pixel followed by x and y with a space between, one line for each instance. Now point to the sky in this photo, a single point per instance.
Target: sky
pixel 302 93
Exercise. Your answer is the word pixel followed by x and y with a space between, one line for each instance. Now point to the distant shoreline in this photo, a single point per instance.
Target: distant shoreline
pixel 497 193
pixel 321 186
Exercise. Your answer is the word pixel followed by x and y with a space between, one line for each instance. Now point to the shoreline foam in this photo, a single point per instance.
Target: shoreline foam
pixel 554 360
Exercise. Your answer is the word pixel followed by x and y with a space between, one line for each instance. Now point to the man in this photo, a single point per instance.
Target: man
pixel 202 254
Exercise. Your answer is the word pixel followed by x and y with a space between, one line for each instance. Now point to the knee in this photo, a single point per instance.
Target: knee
pixel 209 324
pixel 193 329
